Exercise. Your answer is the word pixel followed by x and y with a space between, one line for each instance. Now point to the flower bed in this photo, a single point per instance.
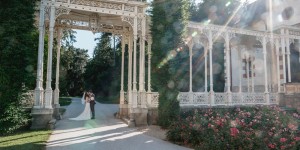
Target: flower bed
pixel 259 127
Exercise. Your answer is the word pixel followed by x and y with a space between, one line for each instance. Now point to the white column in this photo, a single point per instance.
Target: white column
pixel 140 64
pixel 143 40
pixel 149 64
pixel 48 93
pixel 205 59
pixel 283 55
pixel 191 67
pixel 129 70
pixel 247 73
pixel 39 79
pixel 212 98
pixel 278 64
pixel 252 74
pixel 134 102
pixel 299 49
pixel 288 52
pixel 122 71
pixel 122 67
pixel 135 37
pixel 228 65
pixel 56 91
pixel 264 43
pixel 240 71
pixel 134 62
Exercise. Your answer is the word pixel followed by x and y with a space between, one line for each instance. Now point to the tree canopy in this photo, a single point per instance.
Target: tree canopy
pixel 103 71
pixel 169 20
pixel 18 54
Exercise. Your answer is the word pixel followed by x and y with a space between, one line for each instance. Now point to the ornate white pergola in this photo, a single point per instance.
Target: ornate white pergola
pixel 255 86
pixel 255 73
pixel 125 18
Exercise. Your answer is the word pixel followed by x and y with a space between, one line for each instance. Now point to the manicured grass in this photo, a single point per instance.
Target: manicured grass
pixel 25 140
pixel 65 101
pixel 109 99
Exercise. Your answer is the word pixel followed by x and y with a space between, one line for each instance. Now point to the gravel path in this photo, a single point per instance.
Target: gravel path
pixel 104 133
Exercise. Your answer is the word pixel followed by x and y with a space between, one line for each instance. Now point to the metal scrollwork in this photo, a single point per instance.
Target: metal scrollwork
pixel 61 10
pixel 130 20
pixel 139 24
pixel 97 4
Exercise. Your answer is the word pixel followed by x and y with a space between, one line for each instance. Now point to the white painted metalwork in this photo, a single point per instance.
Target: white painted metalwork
pixel 202 99
pixel 152 99
pixel 128 18
pixel 236 98
pixel 184 98
pixel 274 98
pixel 221 98
pixel 125 98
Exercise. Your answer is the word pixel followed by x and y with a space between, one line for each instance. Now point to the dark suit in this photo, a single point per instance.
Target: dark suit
pixel 92 105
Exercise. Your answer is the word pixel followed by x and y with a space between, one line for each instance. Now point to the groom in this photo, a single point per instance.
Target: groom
pixel 92 103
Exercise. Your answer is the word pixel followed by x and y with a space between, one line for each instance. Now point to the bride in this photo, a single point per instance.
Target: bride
pixel 86 114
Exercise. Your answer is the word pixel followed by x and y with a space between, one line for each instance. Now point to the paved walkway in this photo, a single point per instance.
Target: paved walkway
pixel 103 133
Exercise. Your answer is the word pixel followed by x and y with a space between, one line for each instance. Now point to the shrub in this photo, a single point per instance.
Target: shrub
pixel 258 127
pixel 13 118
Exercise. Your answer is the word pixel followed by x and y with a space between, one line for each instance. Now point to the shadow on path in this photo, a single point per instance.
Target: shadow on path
pixel 103 133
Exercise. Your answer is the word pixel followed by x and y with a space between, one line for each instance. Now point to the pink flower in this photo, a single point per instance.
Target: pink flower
pixel 234 131
pixel 219 123
pixel 271 146
pixel 283 140
pixel 297 138
pixel 292 127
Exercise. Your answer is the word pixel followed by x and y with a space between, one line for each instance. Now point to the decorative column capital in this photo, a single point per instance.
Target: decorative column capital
pixel 228 36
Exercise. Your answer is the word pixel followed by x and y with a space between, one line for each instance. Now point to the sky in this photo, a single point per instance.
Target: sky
pixel 85 40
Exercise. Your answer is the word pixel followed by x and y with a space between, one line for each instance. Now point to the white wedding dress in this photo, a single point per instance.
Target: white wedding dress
pixel 86 114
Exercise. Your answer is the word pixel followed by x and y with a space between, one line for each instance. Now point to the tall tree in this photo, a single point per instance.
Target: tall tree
pixel 215 11
pixel 169 20
pixel 18 53
pixel 103 71
pixel 73 62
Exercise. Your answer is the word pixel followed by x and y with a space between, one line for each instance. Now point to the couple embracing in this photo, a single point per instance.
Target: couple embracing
pixel 88 99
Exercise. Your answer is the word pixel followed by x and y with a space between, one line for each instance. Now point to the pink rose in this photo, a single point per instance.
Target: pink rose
pixel 271 146
pixel 283 140
pixel 234 131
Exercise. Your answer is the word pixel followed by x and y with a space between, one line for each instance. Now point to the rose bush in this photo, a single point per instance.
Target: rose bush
pixel 247 128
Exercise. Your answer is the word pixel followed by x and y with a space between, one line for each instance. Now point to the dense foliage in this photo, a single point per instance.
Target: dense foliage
pixel 169 20
pixel 218 12
pixel 103 71
pixel 18 54
pixel 258 127
pixel 73 62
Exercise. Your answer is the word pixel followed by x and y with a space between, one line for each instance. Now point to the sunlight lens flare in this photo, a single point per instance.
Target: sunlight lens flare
pixel 227 4
pixel 194 34
pixel 172 54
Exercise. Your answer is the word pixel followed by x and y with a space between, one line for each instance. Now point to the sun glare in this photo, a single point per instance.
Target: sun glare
pixel 228 3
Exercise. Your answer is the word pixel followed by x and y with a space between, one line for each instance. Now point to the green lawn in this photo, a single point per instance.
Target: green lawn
pixel 65 101
pixel 109 100
pixel 26 140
